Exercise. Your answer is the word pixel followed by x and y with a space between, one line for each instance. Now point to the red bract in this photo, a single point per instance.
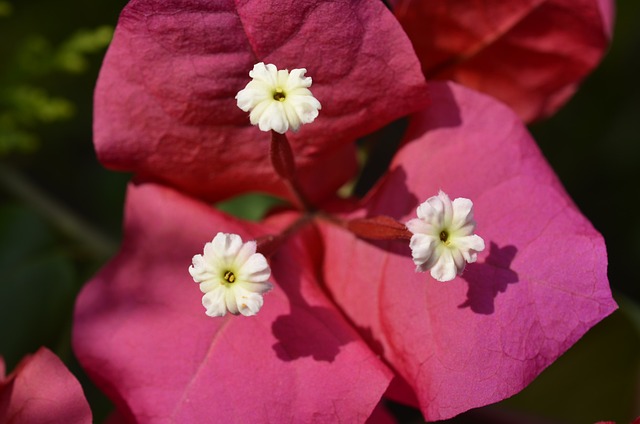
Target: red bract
pixel 141 333
pixel 165 107
pixel 531 54
pixel 345 316
pixel 42 390
pixel 540 284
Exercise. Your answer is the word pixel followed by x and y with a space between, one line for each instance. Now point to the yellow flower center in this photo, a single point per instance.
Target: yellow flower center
pixel 279 95
pixel 229 277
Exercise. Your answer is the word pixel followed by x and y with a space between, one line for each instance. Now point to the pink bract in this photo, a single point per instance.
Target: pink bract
pixel 165 107
pixel 42 390
pixel 531 54
pixel 141 332
pixel 537 288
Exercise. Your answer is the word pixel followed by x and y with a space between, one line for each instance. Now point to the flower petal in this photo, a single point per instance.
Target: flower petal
pixel 213 301
pixel 165 106
pixel 445 267
pixel 529 54
pixel 539 285
pixel 140 333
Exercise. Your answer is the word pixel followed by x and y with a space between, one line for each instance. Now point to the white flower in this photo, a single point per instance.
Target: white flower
pixel 443 239
pixel 232 276
pixel 278 100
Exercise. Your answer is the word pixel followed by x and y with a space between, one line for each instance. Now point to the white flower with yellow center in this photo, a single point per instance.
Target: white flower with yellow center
pixel 443 239
pixel 278 100
pixel 232 276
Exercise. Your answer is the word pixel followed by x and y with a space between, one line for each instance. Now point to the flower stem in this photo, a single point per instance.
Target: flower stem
pixel 269 244
pixel 284 165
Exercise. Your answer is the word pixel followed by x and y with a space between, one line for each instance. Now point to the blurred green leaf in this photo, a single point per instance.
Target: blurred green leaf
pixel 36 285
pixel 30 105
pixel 24 103
pixel 252 207
pixel 37 57
pixel 23 107
pixel 70 56
pixel 13 139
pixel 631 310
pixel 5 8
pixel 595 380
pixel 34 57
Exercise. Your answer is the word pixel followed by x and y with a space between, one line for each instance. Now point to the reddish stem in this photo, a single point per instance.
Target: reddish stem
pixel 282 156
pixel 269 244
pixel 284 165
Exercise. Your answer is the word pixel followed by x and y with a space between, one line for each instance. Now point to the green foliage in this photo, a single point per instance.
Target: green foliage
pixel 36 284
pixel 5 8
pixel 252 207
pixel 25 103
pixel 22 108
pixel 70 57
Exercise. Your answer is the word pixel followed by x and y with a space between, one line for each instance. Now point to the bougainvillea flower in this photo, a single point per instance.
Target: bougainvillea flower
pixel 350 320
pixel 347 320
pixel 298 360
pixel 530 54
pixel 540 284
pixel 278 99
pixel 443 240
pixel 42 390
pixel 164 101
pixel 232 276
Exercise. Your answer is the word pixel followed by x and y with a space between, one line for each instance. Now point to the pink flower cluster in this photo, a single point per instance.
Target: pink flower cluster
pixel 348 321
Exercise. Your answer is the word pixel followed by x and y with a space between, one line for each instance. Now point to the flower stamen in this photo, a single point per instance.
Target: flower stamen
pixel 279 95
pixel 229 277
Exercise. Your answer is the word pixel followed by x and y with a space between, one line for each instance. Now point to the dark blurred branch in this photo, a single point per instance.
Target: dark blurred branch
pixel 98 244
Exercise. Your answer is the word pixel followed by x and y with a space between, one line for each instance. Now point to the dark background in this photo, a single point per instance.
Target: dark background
pixel 60 211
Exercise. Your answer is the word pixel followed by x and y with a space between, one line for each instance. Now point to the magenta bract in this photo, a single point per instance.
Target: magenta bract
pixel 165 107
pixel 142 334
pixel 530 54
pixel 540 284
pixel 42 390
pixel 348 321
